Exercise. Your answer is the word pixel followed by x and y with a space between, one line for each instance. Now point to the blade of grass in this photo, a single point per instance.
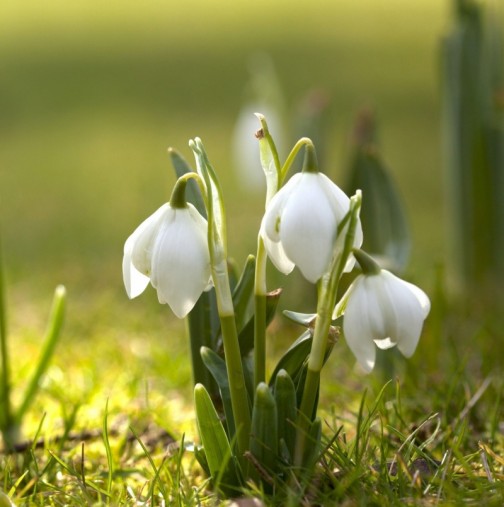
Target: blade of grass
pixel 52 334
pixel 108 450
pixel 5 408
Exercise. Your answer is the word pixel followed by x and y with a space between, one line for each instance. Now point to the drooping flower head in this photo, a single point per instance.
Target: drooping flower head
pixel 301 223
pixel 170 250
pixel 381 310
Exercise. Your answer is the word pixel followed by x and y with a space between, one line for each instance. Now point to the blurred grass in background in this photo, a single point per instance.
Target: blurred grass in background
pixel 92 93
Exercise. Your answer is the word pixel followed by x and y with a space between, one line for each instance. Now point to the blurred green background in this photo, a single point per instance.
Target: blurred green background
pixel 92 94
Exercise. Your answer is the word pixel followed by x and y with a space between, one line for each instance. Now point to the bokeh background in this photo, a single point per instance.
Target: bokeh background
pixel 93 93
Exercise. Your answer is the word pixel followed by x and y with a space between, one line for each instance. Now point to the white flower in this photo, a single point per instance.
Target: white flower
pixel 170 249
pixel 384 310
pixel 300 224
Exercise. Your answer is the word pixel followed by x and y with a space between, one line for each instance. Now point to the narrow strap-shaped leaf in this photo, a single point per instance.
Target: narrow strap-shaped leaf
pixel 217 367
pixel 382 215
pixel 199 454
pixel 264 435
pixel 303 319
pixel 246 335
pixel 292 361
pixel 243 294
pixel 215 442
pixel 312 450
pixel 285 397
pixel 201 323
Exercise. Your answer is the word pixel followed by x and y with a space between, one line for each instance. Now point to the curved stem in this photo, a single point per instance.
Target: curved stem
pixel 304 141
pixel 177 198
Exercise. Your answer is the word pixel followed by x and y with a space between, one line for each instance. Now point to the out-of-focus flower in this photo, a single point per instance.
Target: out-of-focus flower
pixel 383 310
pixel 170 250
pixel 302 220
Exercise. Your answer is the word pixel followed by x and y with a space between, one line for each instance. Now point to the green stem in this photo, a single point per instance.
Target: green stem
pixel 304 141
pixel 259 339
pixel 232 356
pixel 260 314
pixel 237 388
pixel 311 386
pixel 217 244
pixel 326 301
pixel 177 198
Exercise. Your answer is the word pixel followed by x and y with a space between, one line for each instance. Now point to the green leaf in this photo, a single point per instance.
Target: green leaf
pixel 285 397
pixel 303 319
pixel 217 449
pixel 246 335
pixel 312 449
pixel 199 454
pixel 217 367
pixel 293 359
pixel 382 215
pixel 203 323
pixel 264 435
pixel 243 294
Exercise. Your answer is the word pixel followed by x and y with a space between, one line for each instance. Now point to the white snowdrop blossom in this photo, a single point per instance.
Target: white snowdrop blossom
pixel 300 224
pixel 170 250
pixel 382 310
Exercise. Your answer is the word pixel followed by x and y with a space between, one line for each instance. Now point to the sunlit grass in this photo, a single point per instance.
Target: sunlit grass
pixel 92 94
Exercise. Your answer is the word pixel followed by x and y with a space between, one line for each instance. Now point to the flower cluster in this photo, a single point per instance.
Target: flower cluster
pixel 309 223
pixel 301 227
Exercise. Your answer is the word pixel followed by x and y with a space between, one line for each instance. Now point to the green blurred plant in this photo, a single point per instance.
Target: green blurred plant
pixel 473 121
pixel 383 216
pixel 11 418
pixel 253 428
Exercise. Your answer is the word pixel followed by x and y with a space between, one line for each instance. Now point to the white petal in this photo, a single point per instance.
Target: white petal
pixel 308 227
pixel 276 253
pixel 422 297
pixel 339 201
pixel 271 222
pixel 357 325
pixel 181 261
pixel 410 305
pixel 144 238
pixel 357 244
pixel 134 281
pixel 137 250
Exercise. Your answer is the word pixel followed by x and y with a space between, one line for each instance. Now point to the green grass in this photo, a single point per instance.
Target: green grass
pixel 91 95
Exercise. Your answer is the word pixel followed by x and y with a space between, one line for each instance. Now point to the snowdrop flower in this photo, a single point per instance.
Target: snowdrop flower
pixel 170 250
pixel 300 224
pixel 383 310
